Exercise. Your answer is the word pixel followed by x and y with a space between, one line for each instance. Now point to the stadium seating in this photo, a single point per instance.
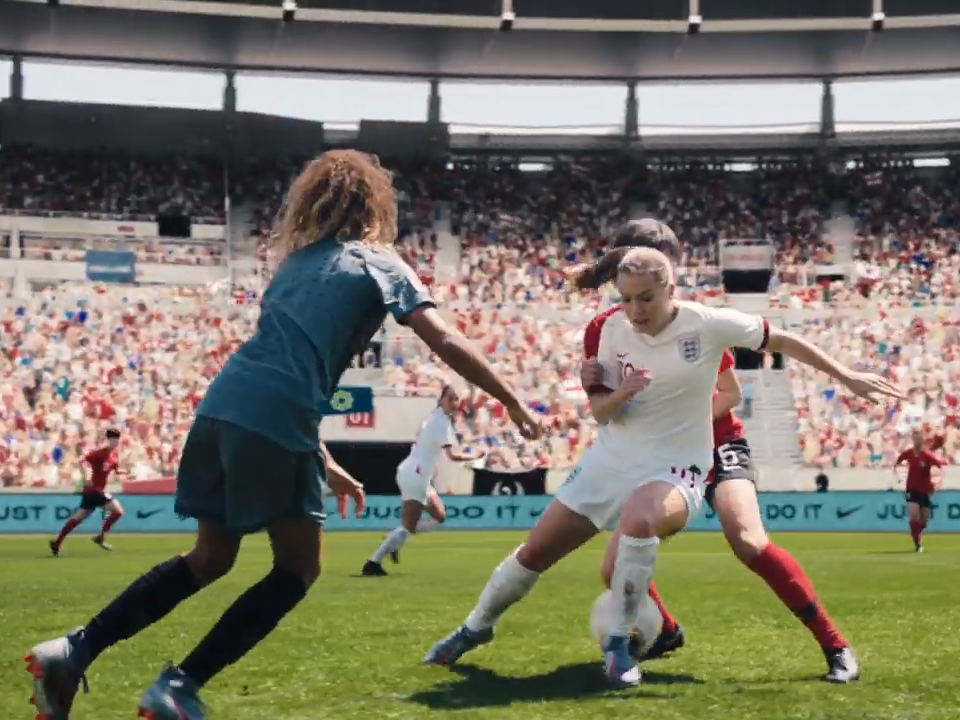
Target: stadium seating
pixel 79 358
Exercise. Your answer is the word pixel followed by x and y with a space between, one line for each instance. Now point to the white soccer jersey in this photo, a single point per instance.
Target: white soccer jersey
pixel 670 421
pixel 435 434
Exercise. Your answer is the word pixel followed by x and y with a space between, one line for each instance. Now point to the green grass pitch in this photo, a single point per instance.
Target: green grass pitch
pixel 352 649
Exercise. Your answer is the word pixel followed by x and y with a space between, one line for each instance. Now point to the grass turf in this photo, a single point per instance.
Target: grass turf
pixel 352 649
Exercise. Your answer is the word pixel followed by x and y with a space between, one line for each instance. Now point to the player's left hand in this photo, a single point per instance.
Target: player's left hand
pixel 872 387
pixel 591 373
pixel 345 488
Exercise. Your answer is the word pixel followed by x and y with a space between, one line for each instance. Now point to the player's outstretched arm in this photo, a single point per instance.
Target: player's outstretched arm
pixel 865 385
pixel 469 363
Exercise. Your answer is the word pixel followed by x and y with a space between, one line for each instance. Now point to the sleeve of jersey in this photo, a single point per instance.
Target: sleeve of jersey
pixel 732 328
pixel 726 362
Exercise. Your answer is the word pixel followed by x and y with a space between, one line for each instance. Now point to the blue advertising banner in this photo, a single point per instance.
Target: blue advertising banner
pixel 347 400
pixel 114 266
pixel 809 512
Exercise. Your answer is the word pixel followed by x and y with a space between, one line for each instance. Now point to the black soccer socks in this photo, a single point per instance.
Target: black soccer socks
pixel 245 623
pixel 148 599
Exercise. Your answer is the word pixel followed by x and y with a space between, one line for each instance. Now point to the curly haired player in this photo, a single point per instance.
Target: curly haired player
pixel 250 461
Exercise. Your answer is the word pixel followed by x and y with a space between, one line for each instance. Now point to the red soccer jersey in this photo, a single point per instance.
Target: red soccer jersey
pixel 727 427
pixel 102 462
pixel 919 465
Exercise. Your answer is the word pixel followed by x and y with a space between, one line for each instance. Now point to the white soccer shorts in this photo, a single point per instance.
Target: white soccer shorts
pixel 597 488
pixel 413 486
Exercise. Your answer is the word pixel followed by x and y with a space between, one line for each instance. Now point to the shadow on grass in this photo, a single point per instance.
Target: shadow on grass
pixel 481 687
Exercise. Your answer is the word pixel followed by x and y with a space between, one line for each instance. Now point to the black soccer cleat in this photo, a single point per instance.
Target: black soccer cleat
pixel 372 569
pixel 667 642
pixel 54 548
pixel 843 666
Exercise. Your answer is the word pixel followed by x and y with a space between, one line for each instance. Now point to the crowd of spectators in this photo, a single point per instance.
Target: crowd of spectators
pixel 881 289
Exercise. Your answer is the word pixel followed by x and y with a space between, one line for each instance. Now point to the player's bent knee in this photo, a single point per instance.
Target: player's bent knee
pixel 309 575
pixel 747 545
pixel 208 565
pixel 641 521
pixel 529 556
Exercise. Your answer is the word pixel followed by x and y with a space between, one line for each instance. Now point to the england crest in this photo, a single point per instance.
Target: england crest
pixel 689 346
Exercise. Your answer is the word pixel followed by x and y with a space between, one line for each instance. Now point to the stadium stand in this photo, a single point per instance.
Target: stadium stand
pixel 493 240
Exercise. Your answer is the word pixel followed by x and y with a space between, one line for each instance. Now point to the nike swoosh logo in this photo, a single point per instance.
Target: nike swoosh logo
pixel 846 513
pixel 144 514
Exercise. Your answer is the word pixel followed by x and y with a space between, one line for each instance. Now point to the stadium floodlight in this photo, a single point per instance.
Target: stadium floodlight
pixel 289 10
pixel 507 15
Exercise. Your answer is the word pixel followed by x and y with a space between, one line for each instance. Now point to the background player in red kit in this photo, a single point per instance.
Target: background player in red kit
pixel 103 462
pixel 920 485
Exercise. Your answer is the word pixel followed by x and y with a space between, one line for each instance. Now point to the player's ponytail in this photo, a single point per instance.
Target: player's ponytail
pixel 643 233
pixel 600 272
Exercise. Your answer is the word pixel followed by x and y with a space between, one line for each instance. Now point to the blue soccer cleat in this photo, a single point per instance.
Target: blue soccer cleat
pixel 173 696
pixel 456 645
pixel 621 669
pixel 57 667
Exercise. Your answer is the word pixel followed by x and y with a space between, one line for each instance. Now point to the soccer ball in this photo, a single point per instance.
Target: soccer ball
pixel 646 628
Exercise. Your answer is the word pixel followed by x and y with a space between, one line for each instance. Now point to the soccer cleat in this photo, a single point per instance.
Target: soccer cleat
pixel 57 667
pixel 55 548
pixel 919 548
pixel 101 543
pixel 456 645
pixel 621 669
pixel 395 556
pixel 844 666
pixel 173 696
pixel 667 641
pixel 373 569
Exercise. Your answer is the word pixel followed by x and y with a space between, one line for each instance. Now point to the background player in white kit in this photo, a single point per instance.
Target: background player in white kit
pixel 655 445
pixel 655 425
pixel 415 479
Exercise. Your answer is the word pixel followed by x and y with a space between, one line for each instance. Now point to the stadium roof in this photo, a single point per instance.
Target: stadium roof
pixel 551 39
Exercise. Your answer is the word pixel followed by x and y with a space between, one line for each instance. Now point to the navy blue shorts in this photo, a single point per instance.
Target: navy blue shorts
pixel 244 480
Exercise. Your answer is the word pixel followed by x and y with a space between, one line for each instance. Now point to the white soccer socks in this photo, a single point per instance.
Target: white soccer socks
pixel 509 583
pixel 392 542
pixel 632 574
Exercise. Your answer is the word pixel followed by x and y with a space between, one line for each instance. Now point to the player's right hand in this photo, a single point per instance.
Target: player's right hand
pixel 635 382
pixel 525 420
